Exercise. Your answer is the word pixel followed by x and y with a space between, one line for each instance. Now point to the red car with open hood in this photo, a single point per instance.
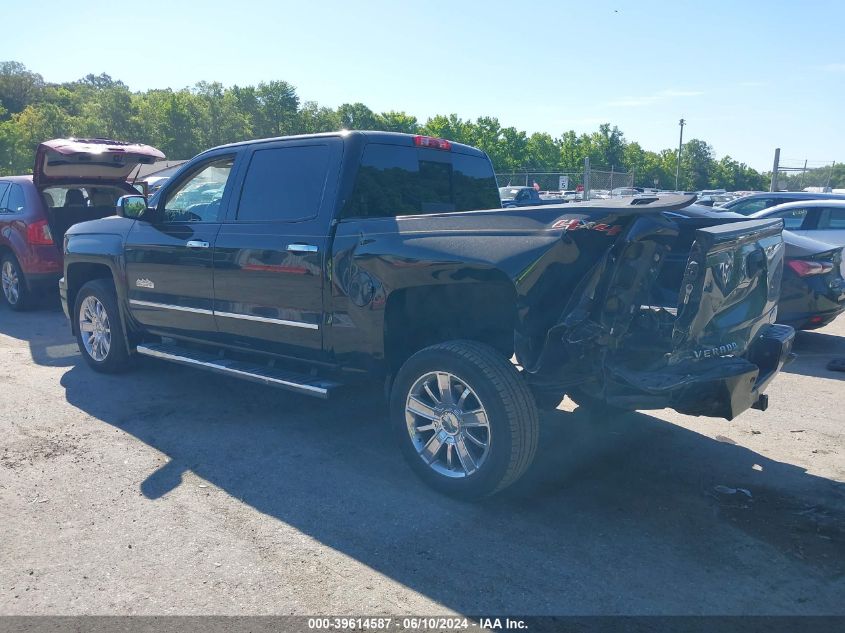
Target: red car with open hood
pixel 73 180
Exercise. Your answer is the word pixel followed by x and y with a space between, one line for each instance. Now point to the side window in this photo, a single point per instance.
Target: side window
pixel 4 186
pixel 773 202
pixel 792 219
pixel 197 199
pixel 832 218
pixel 747 207
pixel 284 184
pixel 15 202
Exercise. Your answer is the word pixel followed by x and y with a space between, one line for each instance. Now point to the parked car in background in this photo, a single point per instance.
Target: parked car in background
pixel 620 192
pixel 812 289
pixel 706 201
pixel 746 205
pixel 73 180
pixel 156 179
pixel 812 292
pixel 822 220
pixel 524 197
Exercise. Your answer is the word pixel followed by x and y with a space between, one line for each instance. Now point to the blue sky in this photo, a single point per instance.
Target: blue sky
pixel 748 76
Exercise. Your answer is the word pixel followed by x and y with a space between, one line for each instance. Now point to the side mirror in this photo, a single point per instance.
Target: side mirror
pixel 132 207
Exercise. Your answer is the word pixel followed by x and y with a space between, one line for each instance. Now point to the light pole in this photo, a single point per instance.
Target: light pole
pixel 680 146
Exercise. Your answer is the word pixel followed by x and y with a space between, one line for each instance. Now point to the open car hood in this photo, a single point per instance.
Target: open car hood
pixel 89 160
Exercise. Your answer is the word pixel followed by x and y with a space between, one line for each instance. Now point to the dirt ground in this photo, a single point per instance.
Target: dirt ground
pixel 172 491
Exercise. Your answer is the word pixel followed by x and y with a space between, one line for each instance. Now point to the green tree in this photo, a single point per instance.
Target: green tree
pixel 398 122
pixel 184 122
pixel 571 151
pixel 542 152
pixel 224 122
pixel 19 87
pixel 28 128
pixel 277 109
pixel 697 165
pixel 313 119
pixel 450 126
pixel 357 116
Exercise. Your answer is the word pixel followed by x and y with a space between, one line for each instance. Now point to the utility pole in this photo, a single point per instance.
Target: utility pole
pixel 586 194
pixel 775 170
pixel 680 146
pixel 829 174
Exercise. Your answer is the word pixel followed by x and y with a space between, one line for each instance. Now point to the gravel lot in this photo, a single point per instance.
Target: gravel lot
pixel 172 491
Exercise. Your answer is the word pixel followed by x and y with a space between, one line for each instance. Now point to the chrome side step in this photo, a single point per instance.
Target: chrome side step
pixel 270 376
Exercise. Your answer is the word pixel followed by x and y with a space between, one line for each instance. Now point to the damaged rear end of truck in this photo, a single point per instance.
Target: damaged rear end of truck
pixel 665 315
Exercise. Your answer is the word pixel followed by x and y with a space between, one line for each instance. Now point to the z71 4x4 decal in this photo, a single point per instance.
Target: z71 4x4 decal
pixel 573 224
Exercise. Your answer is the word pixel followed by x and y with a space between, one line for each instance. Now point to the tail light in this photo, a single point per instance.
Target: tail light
pixel 804 268
pixel 39 233
pixel 433 143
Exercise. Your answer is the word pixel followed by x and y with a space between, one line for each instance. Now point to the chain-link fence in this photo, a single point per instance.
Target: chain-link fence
pixel 546 181
pixel 606 184
pixel 599 183
pixel 799 174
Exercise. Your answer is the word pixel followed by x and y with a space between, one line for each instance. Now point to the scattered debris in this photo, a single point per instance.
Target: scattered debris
pixel 755 432
pixel 796 430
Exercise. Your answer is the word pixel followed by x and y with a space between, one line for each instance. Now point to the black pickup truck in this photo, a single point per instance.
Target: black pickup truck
pixel 318 261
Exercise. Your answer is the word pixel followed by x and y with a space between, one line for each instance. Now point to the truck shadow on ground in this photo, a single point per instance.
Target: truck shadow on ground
pixel 607 506
pixel 625 511
pixel 815 350
pixel 45 330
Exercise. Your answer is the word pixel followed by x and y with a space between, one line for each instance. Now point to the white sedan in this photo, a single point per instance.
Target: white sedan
pixel 822 220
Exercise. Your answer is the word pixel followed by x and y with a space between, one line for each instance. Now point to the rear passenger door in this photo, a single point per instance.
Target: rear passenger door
pixel 269 259
pixel 830 226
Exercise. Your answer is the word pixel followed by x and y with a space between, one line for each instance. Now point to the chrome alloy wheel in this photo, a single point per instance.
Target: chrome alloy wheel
pixel 448 424
pixel 11 282
pixel 95 329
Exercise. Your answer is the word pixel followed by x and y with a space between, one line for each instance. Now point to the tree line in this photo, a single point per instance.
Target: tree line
pixel 184 122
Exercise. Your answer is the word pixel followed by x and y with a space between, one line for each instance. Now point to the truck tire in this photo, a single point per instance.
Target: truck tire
pixel 15 290
pixel 465 420
pixel 99 331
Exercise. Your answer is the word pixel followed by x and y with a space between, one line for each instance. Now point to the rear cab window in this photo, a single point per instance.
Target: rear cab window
pixel 396 180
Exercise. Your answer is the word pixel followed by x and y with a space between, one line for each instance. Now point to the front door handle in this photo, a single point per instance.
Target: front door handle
pixel 302 248
pixel 196 244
